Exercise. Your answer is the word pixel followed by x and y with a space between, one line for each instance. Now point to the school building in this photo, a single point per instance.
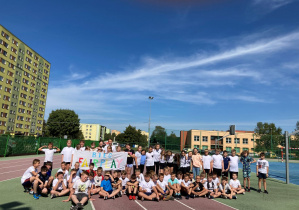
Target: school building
pixel 24 79
pixel 94 132
pixel 204 139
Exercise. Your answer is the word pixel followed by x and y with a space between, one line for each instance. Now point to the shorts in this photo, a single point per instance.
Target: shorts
pixel 163 165
pixel 110 192
pixel 148 193
pixel 225 174
pixel 228 192
pixel 262 176
pixel 130 165
pixel 170 164
pixel 124 187
pixel 246 174
pixel 67 163
pixel 80 196
pixel 27 183
pixel 207 171
pixel 217 171
pixel 197 190
pixel 165 191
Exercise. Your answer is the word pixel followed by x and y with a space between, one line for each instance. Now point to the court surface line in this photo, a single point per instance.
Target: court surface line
pixel 185 205
pixel 224 204
pixel 92 206
pixel 140 205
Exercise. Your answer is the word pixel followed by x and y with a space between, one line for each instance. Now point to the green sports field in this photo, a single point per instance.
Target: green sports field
pixel 281 196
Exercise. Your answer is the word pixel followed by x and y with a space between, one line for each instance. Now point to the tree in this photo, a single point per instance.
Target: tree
pixel 264 132
pixel 46 132
pixel 158 136
pixel 132 136
pixel 108 136
pixel 64 122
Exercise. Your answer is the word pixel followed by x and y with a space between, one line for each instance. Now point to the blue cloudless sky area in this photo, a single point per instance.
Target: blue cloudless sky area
pixel 208 64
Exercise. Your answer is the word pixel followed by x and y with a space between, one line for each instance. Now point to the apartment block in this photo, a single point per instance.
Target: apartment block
pixel 24 79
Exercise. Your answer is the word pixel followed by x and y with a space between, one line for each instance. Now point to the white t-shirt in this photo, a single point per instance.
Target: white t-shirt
pixel 187 183
pixel 188 161
pixel 226 187
pixel 124 181
pixel 162 184
pixel 262 166
pixel 203 180
pixel 217 161
pixel 183 161
pixel 65 172
pixel 98 180
pixel 233 166
pixel 162 159
pixel 157 155
pixel 74 179
pixel 138 156
pixel 206 161
pixel 234 183
pixel 67 153
pixel 81 187
pixel 149 159
pixel 180 181
pixel 55 181
pixel 113 148
pixel 140 178
pixel 216 181
pixel 28 174
pixel 148 186
pixel 82 149
pixel 210 186
pixel 49 154
pixel 167 177
pixel 170 158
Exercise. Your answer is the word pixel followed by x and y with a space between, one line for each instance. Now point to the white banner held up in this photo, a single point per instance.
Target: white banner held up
pixel 108 161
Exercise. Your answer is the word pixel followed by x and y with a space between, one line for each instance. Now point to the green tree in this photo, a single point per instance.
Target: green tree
pixel 64 122
pixel 263 132
pixel 46 132
pixel 132 136
pixel 108 136
pixel 159 135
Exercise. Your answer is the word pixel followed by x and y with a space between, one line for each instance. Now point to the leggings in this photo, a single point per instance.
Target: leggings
pixel 141 168
pixel 157 165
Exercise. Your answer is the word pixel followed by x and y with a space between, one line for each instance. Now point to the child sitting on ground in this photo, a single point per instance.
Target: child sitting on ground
pixel 41 183
pixel 106 187
pixel 59 186
pixel 235 185
pixel 82 191
pixel 203 178
pixel 180 177
pixel 212 188
pixel 163 188
pixel 71 179
pixel 116 184
pixel 215 179
pixel 147 189
pixel 132 187
pixel 191 176
pixel 174 185
pixel 167 175
pixel 187 186
pixel 91 167
pixel 79 171
pixel 262 171
pixel 99 177
pixel 124 179
pixel 198 189
pixel 225 189
pixel 155 178
pixel 139 175
pixel 63 170
pixel 30 175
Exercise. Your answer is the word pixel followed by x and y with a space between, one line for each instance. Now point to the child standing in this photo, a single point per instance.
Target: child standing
pixel 217 163
pixel 246 161
pixel 233 164
pixel 262 171
pixel 169 159
pixel 196 163
pixel 207 162
pixel 142 160
pixel 67 154
pixel 150 164
pixel 235 185
pixel 49 152
pixel 226 161
pixel 30 175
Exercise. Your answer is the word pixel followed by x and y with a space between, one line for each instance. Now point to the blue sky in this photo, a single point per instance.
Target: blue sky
pixel 208 64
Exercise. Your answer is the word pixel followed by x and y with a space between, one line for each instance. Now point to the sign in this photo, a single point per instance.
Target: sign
pixel 108 161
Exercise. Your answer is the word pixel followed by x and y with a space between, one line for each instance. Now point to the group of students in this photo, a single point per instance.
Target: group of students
pixel 168 176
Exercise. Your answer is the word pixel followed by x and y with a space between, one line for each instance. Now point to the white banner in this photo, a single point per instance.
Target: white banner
pixel 108 161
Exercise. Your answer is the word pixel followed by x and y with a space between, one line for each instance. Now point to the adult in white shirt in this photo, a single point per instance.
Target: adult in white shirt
pixel 49 152
pixel 110 144
pixel 138 156
pixel 217 163
pixel 157 155
pixel 234 164
pixel 150 163
pixel 67 154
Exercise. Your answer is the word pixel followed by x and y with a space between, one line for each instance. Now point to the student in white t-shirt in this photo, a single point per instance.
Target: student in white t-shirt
pixel 139 175
pixel 217 163
pixel 147 189
pixel 124 179
pixel 167 174
pixel 82 191
pixel 71 179
pixel 63 170
pixel 163 188
pixel 212 188
pixel 109 144
pixel 233 164
pixel 235 185
pixel 207 162
pixel 149 163
pixel 215 179
pixel 30 175
pixel 187 186
pixel 262 171
pixel 225 189
pixel 49 152
pixel 138 156
pixel 157 155
pixel 203 179
pixel 67 154
pixel 59 186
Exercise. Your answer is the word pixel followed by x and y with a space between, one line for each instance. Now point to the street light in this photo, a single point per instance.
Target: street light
pixel 149 121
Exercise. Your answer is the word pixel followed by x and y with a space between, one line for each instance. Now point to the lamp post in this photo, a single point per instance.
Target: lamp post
pixel 149 120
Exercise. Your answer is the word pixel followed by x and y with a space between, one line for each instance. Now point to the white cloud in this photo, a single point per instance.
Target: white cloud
pixel 272 4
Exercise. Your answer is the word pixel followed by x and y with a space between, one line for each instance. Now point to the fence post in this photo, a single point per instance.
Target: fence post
pixel 59 142
pixel 6 146
pixel 38 145
pixel 287 157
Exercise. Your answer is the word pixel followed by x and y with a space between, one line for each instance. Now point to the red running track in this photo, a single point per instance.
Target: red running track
pixel 10 169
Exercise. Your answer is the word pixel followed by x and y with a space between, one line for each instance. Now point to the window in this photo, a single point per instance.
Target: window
pixel 252 139
pixel 245 141
pixel 196 138
pixel 2 70
pixel 229 149
pixel 252 149
pixel 237 140
pixel 196 146
pixel 228 140
pixel 205 139
pixel 1 79
pixel 237 149
pixel 205 147
pixel 245 148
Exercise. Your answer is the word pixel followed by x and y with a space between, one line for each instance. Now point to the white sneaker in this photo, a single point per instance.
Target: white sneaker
pixel 243 193
pixel 31 192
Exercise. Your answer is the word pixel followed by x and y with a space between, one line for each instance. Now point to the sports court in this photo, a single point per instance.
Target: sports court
pixel 281 196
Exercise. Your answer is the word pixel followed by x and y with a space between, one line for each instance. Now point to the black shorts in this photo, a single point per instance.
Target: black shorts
pixel 225 174
pixel 150 168
pixel 27 183
pixel 170 164
pixel 207 171
pixel 217 171
pixel 80 196
pixel 163 165
pixel 262 176
pixel 67 163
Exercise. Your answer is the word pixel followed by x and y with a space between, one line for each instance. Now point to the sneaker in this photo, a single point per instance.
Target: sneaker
pixel 248 190
pixel 211 197
pixel 31 192
pixel 187 197
pixel 26 190
pixel 259 190
pixel 243 193
pixel 120 194
pixel 192 196
pixel 171 198
pixel 134 197
pixel 223 196
pixel 113 197
pixel 130 197
pixel 53 196
pixel 35 196
pixel 73 207
pixel 105 198
pixel 125 193
pixel 79 206
pixel 142 198
pixel 234 197
pixel 265 191
pixel 155 199
pixel 180 197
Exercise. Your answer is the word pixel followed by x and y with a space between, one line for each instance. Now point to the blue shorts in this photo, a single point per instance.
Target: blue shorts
pixel 246 174
pixel 130 165
pixel 110 192
pixel 124 187
pixel 148 193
